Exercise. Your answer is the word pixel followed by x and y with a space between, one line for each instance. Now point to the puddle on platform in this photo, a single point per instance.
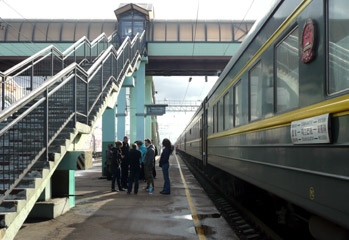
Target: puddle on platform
pixel 188 217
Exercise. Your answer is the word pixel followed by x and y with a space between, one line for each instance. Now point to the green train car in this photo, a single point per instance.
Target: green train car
pixel 278 116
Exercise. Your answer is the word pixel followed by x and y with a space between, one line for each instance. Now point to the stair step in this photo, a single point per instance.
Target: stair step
pixel 24 183
pixel 15 194
pixel 8 206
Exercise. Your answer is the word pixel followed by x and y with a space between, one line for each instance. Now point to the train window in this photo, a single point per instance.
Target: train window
pixel 256 92
pixel 338 45
pixel 226 111
pixel 240 104
pixel 217 115
pixel 287 71
pixel 214 119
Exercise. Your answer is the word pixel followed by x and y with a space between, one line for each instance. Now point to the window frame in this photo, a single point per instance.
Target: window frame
pixel 249 90
pixel 292 28
pixel 327 56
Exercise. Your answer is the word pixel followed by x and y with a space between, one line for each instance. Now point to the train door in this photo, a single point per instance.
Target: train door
pixel 204 134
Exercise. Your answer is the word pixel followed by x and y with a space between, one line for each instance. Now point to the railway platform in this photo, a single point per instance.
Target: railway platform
pixel 187 213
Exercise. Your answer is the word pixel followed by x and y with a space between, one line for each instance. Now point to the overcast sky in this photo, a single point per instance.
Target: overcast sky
pixel 172 88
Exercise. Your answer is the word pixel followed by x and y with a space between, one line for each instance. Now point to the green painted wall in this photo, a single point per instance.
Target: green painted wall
pixel 28 49
pixel 186 49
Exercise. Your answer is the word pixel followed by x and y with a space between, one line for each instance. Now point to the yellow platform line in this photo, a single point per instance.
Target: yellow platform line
pixel 197 223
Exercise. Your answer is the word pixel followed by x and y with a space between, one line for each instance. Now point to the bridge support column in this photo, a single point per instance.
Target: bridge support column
pixel 148 97
pixel 137 99
pixel 108 132
pixel 121 115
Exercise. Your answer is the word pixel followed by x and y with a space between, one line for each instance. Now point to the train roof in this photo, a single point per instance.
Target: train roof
pixel 244 45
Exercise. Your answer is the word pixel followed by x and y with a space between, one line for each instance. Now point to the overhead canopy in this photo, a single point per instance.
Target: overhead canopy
pixel 144 8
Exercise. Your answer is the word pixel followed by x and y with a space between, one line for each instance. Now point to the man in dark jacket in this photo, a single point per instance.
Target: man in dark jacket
pixel 134 159
pixel 115 166
pixel 109 156
pixel 154 170
pixel 124 162
pixel 148 163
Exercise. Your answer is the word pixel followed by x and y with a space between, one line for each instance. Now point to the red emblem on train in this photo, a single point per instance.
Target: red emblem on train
pixel 308 41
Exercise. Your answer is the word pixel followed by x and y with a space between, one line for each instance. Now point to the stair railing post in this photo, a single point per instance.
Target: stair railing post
pixel 3 92
pixel 74 97
pixel 52 62
pixel 102 75
pixel 85 50
pixel 86 102
pixel 46 109
pixel 74 54
pixel 32 76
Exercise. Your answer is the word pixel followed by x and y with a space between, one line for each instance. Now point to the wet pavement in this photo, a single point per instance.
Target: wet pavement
pixel 102 214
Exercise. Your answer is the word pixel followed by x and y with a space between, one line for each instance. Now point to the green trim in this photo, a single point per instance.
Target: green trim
pixel 191 49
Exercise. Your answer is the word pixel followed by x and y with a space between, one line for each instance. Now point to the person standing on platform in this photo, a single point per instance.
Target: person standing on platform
pixel 124 162
pixel 108 160
pixel 115 167
pixel 148 164
pixel 154 170
pixel 143 149
pixel 165 164
pixel 134 159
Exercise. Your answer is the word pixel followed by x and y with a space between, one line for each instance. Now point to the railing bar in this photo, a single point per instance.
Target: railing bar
pixel 20 117
pixel 21 176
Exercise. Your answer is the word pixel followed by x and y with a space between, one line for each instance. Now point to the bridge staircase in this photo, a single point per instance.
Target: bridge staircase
pixel 62 94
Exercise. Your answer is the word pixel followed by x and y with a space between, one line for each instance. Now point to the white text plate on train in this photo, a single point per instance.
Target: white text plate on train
pixel 311 130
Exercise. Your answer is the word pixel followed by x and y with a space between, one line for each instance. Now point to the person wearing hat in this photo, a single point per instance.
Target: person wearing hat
pixel 115 166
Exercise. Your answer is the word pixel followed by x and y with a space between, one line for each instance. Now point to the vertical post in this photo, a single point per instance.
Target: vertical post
pixel 133 104
pixel 52 62
pixel 74 97
pixel 74 54
pixel 102 76
pixel 148 100
pixel 121 115
pixel 140 92
pixel 85 50
pixel 46 127
pixel 108 132
pixel 32 76
pixel 3 92
pixel 86 102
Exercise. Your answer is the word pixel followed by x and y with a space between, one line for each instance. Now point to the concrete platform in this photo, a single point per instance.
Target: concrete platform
pixel 100 214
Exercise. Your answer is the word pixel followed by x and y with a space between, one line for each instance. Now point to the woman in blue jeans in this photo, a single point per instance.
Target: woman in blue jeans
pixel 165 164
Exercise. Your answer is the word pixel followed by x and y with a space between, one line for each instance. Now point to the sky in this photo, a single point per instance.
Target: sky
pixel 171 88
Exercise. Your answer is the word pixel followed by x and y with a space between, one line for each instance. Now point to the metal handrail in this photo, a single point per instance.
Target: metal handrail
pixel 50 53
pixel 36 104
pixel 63 54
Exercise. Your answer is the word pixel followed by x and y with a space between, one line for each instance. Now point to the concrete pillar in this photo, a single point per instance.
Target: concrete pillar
pixel 133 104
pixel 137 100
pixel 108 132
pixel 121 115
pixel 63 179
pixel 148 97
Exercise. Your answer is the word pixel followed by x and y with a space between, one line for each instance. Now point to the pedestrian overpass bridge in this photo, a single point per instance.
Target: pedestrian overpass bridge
pixel 58 77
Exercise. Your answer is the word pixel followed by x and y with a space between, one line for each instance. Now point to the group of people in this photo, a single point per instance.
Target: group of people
pixel 127 165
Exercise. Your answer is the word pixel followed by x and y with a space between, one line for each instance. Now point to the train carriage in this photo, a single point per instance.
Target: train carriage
pixel 278 116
